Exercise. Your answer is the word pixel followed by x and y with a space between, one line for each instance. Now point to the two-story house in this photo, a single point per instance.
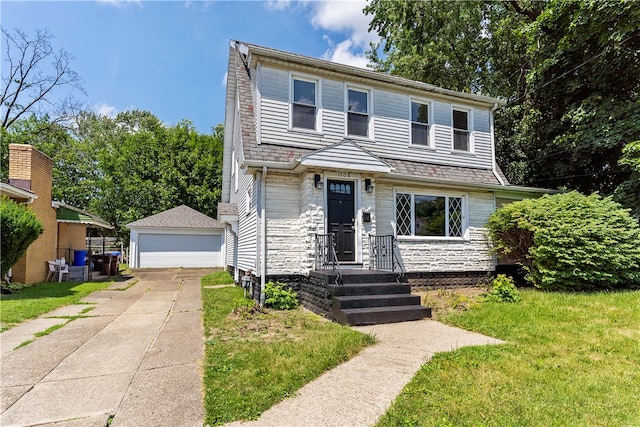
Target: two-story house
pixel 327 164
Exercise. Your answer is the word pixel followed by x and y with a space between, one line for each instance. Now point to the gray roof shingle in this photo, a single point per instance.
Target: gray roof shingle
pixel 180 217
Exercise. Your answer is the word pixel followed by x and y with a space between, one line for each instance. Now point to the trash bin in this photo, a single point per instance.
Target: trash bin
pixel 113 271
pixel 79 258
pixel 106 264
pixel 97 262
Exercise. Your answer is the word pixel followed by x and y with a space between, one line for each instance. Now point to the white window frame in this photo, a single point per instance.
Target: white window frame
pixel 369 92
pixel 317 82
pixel 429 124
pixel 446 195
pixel 237 168
pixel 469 111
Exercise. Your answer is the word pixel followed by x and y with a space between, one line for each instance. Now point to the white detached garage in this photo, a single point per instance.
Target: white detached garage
pixel 178 237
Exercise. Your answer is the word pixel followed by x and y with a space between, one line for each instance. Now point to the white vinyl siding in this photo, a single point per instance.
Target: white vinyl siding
pixel 389 117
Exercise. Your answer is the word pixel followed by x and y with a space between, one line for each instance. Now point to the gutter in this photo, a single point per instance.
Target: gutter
pixel 493 146
pixel 263 233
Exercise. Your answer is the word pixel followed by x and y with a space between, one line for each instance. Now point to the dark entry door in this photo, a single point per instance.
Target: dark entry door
pixel 341 215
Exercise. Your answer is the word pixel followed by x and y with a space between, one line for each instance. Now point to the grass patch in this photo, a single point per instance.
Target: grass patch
pixel 256 358
pixel 35 300
pixel 571 360
pixel 218 278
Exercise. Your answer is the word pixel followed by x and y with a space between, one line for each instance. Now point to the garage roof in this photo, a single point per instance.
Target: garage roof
pixel 180 217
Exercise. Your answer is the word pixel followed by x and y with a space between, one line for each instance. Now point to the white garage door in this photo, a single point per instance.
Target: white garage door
pixel 179 250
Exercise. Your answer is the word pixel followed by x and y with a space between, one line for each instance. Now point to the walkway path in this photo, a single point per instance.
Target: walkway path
pixel 358 392
pixel 136 359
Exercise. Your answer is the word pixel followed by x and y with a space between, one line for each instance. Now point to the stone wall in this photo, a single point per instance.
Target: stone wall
pixel 312 292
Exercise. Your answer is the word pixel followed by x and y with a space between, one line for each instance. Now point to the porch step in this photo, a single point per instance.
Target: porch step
pixel 384 288
pixel 377 315
pixel 367 301
pixel 356 276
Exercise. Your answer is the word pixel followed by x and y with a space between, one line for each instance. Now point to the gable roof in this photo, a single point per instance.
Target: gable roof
pixel 179 217
pixel 346 154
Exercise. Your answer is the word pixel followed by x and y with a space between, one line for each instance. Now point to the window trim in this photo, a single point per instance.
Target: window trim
pixel 317 82
pixel 470 140
pixel 429 124
pixel 433 193
pixel 369 92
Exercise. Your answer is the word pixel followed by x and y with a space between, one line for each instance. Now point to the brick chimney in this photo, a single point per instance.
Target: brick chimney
pixel 32 170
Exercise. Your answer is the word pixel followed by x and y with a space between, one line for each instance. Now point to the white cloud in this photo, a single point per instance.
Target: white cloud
pixel 224 79
pixel 105 110
pixel 118 3
pixel 348 18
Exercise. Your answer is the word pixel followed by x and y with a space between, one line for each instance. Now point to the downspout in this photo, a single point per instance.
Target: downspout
pixel 263 233
pixel 493 145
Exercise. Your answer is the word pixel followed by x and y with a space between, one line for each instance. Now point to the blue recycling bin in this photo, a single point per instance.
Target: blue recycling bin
pixel 79 258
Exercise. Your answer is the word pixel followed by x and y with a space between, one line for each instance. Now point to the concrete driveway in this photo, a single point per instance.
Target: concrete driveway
pixel 134 359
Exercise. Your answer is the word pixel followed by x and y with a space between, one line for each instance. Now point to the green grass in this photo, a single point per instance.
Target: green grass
pixel 256 360
pixel 218 278
pixel 570 360
pixel 35 300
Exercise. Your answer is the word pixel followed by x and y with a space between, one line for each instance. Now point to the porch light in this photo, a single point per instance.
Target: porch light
pixel 368 186
pixel 317 181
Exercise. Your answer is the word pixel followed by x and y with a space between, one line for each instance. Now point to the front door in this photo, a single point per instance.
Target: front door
pixel 341 218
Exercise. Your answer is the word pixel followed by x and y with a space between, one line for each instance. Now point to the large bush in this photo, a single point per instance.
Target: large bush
pixel 20 228
pixel 570 241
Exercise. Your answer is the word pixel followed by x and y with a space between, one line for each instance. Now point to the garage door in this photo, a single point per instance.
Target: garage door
pixel 179 250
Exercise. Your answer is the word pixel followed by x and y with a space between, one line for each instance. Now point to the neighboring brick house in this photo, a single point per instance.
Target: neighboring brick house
pixel 316 150
pixel 30 181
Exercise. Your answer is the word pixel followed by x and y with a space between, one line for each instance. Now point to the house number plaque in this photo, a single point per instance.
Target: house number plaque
pixel 344 174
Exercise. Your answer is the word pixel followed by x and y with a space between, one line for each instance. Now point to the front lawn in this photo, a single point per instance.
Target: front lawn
pixel 32 301
pixel 256 359
pixel 570 360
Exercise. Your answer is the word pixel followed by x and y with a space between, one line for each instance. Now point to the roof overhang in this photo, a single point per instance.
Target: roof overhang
pixel 73 215
pixel 16 193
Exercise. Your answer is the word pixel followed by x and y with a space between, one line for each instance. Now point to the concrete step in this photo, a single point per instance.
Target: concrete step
pixel 353 289
pixel 364 301
pixel 378 315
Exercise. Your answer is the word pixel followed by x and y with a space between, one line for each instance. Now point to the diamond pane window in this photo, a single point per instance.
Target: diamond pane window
pixel 427 215
pixel 403 214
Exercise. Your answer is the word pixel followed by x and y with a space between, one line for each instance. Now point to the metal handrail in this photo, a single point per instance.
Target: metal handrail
pixel 326 255
pixel 384 254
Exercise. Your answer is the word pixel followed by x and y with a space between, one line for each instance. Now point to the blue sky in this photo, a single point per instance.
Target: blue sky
pixel 170 57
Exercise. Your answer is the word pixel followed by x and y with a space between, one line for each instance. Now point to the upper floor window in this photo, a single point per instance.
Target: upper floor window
pixel 357 113
pixel 304 108
pixel 429 215
pixel 461 137
pixel 419 123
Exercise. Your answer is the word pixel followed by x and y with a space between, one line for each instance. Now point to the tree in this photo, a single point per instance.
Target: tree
pixel 628 193
pixel 569 71
pixel 33 76
pixel 20 228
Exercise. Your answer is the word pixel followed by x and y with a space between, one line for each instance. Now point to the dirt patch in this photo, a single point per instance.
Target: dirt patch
pixel 446 300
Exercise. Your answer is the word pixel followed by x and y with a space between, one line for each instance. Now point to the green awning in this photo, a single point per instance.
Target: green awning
pixel 66 213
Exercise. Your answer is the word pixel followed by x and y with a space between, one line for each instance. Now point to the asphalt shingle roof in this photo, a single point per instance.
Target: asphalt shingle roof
pixel 180 217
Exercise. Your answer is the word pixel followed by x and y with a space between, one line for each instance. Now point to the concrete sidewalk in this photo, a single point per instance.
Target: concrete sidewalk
pixel 358 392
pixel 133 360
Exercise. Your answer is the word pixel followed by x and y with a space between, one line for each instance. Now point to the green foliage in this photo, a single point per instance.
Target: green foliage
pixel 503 289
pixel 20 227
pixel 279 297
pixel 568 69
pixel 628 193
pixel 570 241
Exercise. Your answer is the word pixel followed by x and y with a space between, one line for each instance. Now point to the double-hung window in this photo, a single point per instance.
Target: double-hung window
pixel 461 136
pixel 429 215
pixel 304 107
pixel 419 124
pixel 357 112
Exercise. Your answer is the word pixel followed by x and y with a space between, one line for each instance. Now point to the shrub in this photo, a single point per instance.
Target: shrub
pixel 503 290
pixel 279 297
pixel 20 228
pixel 570 241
